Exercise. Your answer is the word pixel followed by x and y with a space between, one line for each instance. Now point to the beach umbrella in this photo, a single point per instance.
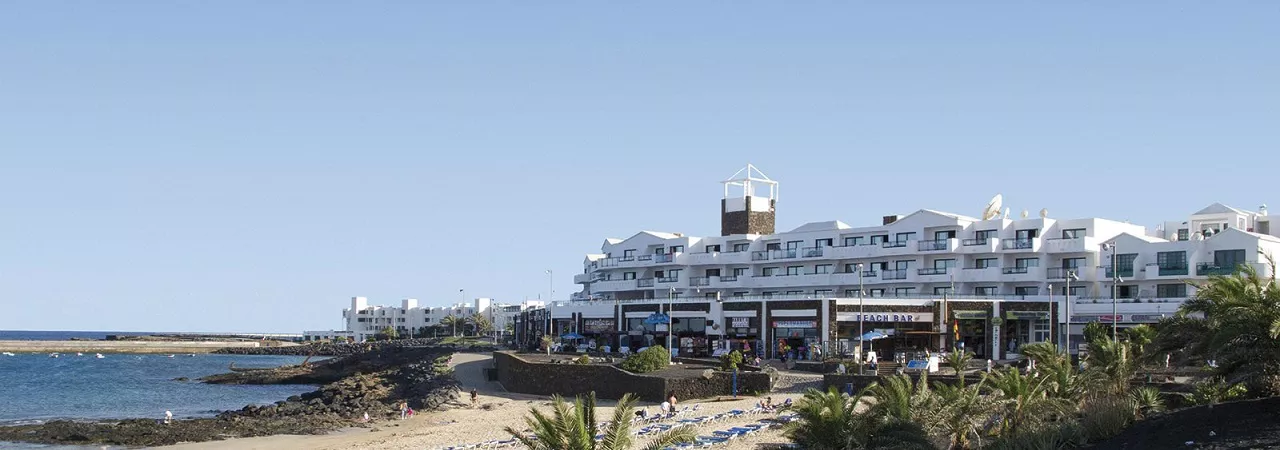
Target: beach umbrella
pixel 571 336
pixel 656 319
pixel 873 335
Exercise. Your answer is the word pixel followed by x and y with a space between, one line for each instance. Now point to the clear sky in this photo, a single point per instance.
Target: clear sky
pixel 250 166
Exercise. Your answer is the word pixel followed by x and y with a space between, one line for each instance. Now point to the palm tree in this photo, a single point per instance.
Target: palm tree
pixel 450 322
pixel 959 413
pixel 573 427
pixel 547 342
pixel 1241 314
pixel 481 323
pixel 959 361
pixel 829 421
pixel 1024 401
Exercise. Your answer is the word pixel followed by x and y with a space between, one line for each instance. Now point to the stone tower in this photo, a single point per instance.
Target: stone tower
pixel 741 210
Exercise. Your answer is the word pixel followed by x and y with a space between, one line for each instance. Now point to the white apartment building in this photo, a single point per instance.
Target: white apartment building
pixel 364 321
pixel 930 254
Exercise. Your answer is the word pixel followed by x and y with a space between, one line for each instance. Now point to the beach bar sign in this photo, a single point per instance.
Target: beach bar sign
pixel 886 317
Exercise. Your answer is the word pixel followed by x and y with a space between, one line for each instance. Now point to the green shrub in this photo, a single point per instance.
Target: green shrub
pixel 1147 400
pixel 1106 416
pixel 1055 436
pixel 730 361
pixel 1215 391
pixel 650 360
pixel 583 360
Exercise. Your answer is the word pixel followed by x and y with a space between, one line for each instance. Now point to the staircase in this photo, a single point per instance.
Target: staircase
pixel 887 369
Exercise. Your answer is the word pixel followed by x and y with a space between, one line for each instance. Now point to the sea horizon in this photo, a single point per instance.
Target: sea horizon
pixel 64 335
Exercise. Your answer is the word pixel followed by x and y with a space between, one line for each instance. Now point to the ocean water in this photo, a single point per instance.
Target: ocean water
pixel 11 335
pixel 36 388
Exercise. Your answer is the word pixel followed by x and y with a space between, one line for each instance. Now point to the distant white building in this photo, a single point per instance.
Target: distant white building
pixel 364 321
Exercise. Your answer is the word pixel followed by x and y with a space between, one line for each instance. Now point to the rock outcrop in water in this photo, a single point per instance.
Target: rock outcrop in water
pixel 370 382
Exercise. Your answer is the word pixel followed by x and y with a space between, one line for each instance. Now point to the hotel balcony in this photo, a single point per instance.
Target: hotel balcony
pixel 726 281
pixel 1022 274
pixel 1083 244
pixel 933 275
pixel 1061 273
pixel 713 258
pixel 988 245
pixel 1105 272
pixel 783 281
pixel 614 285
pixel 699 281
pixel 671 282
pixel 1210 269
pixel 644 283
pixel 582 278
pixel 898 275
pixel 1020 245
pixel 852 251
pixel 1156 271
pixel 789 253
pixel 623 261
pixel 811 252
pixel 891 248
pixel 762 255
pixel 938 245
pixel 980 275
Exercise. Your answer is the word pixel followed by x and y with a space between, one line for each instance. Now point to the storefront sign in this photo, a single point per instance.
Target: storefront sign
pixel 740 322
pixel 1027 315
pixel 926 317
pixel 1105 318
pixel 1150 318
pixel 970 315
pixel 795 324
pixel 599 325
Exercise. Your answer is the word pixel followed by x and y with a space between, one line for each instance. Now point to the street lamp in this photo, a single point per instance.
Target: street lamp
pixel 551 293
pixel 1066 335
pixel 861 333
pixel 455 319
pixel 1115 289
pixel 670 324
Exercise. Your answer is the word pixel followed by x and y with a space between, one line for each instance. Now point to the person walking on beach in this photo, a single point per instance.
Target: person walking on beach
pixel 474 398
pixel 168 417
pixel 404 410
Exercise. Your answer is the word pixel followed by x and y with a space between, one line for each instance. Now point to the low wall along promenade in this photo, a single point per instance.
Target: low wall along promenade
pixel 120 346
pixel 528 377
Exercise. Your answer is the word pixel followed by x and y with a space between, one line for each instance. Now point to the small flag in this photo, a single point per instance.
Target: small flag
pixel 955 327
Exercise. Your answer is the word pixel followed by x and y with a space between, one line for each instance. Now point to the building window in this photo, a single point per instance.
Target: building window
pixel 1182 234
pixel 1172 260
pixel 739 271
pixel 941 290
pixel 879 239
pixel 850 293
pixel 1228 259
pixel 1072 263
pixel 1178 290
pixel 983 263
pixel 795 293
pixel 822 292
pixel 677 249
pixel 741 247
pixel 876 292
pixel 628 255
pixel 944 235
pixel 628 275
pixel 1040 331
pixel 739 294
pixel 1026 290
pixel 903 264
pixel 768 294
pixel 944 263
pixel 903 292
pixel 851 268
pixel 853 240
pixel 984 290
pixel 713 272
pixel 1074 292
pixel 984 235
pixel 1027 262
pixel 713 249
pixel 794 270
pixel 773 246
pixel 822 242
pixel 1124 263
pixel 1127 291
pixel 822 268
pixel 769 272
pixel 1073 233
pixel 904 237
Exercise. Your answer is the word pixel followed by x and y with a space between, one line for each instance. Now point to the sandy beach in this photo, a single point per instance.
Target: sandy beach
pixel 497 409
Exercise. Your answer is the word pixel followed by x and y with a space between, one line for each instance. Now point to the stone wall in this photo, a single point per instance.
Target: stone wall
pixel 747 222
pixel 519 375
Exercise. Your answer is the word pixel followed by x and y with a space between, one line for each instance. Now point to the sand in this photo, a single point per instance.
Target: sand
pixel 497 409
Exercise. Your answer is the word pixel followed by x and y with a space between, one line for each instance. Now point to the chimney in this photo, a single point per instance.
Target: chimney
pixel 891 219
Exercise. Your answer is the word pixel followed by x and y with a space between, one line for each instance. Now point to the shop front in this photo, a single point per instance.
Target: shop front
pixel 1025 327
pixel 599 332
pixel 743 334
pixel 639 333
pixel 969 330
pixel 905 333
pixel 690 334
pixel 795 339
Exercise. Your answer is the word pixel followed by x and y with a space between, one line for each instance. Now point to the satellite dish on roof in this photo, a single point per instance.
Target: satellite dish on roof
pixel 1006 212
pixel 993 208
pixel 1024 214
pixel 1044 213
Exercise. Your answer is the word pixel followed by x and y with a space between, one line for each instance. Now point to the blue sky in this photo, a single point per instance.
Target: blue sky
pixel 249 166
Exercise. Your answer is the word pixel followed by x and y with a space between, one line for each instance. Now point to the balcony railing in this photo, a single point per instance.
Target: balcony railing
pixel 664 258
pixel 1061 273
pixel 981 268
pixel 1173 270
pixel 783 254
pixel 644 282
pixel 869 273
pixel 728 278
pixel 934 245
pixel 893 244
pixel 811 252
pixel 1016 244
pixel 932 271
pixel 1124 272
pixel 973 242
pixel 644 258
pixel 699 281
pixel 1209 269
pixel 760 255
pixel 898 274
pixel 668 279
pixel 1014 270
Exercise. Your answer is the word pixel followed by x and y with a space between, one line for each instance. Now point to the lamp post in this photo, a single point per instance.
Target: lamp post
pixel 670 323
pixel 861 364
pixel 463 292
pixel 1066 335
pixel 1115 289
pixel 551 294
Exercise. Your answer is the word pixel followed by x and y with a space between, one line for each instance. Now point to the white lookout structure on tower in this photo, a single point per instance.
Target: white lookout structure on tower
pixel 741 210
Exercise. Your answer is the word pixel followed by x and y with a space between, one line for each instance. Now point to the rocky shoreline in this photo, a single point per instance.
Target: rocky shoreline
pixel 344 349
pixel 371 381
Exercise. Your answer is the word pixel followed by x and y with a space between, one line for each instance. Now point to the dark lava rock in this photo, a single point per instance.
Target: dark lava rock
pixel 182 379
pixel 331 349
pixel 1243 424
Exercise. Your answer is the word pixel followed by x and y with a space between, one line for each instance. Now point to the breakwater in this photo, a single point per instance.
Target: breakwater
pixel 148 347
pixel 344 349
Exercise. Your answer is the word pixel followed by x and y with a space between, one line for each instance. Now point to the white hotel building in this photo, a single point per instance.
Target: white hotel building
pixel 944 268
pixel 364 321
